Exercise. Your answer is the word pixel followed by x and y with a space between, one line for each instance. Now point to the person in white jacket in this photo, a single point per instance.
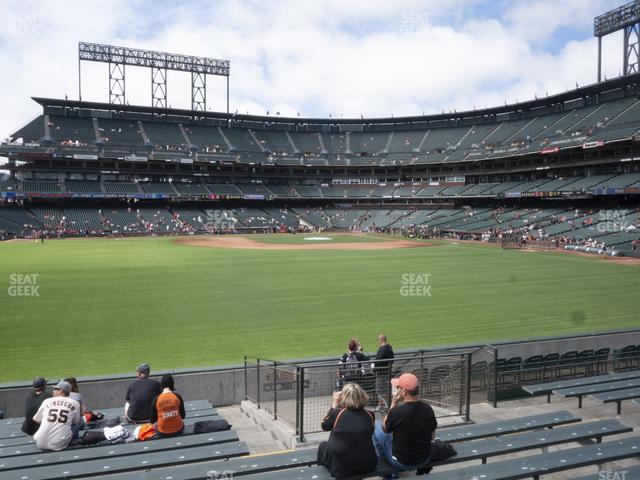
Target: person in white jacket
pixel 59 418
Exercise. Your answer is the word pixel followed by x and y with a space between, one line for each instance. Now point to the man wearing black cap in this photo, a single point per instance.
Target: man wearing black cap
pixel 59 419
pixel 32 404
pixel 140 394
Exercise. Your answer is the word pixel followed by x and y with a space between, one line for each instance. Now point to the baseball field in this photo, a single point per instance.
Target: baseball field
pixel 98 306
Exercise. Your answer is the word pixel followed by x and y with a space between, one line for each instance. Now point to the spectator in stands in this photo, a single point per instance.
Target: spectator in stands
pixel 404 436
pixel 37 395
pixel 140 394
pixel 59 419
pixel 75 394
pixel 382 371
pixel 167 410
pixel 350 449
pixel 351 364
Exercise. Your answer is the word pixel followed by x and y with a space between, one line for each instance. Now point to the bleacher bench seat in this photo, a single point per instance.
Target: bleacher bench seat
pixel 132 463
pixel 35 457
pixel 581 391
pixel 548 387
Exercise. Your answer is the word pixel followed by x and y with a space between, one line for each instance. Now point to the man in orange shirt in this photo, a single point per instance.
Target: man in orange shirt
pixel 167 410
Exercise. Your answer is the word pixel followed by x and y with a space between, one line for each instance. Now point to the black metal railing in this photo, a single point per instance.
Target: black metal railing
pixel 300 393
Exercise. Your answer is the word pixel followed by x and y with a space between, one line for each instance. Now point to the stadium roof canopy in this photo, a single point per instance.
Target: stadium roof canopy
pixel 590 91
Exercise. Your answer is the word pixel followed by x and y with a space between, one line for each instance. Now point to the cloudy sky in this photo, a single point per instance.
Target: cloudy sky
pixel 338 57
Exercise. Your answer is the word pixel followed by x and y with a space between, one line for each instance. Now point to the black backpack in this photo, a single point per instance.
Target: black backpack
pixel 208 426
pixel 441 450
pixel 351 365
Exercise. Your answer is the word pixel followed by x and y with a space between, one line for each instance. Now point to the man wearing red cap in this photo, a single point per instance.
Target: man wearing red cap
pixel 404 437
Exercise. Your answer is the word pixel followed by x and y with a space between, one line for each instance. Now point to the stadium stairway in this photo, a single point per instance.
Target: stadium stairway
pixel 258 439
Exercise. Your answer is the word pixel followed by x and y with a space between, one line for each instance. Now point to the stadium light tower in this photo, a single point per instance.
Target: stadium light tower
pixel 159 63
pixel 626 17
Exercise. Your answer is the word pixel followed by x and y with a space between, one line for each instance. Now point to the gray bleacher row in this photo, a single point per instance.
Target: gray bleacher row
pixel 609 120
pixel 472 442
pixel 532 466
pixel 608 388
pixel 396 190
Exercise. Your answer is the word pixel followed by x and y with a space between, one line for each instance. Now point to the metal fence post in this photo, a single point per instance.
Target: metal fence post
pixel 462 380
pixel 301 405
pixel 495 379
pixel 275 391
pixel 246 394
pixel 297 400
pixel 258 382
pixel 423 376
pixel 388 399
pixel 467 416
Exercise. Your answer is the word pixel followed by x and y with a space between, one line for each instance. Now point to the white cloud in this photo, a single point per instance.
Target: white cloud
pixel 316 58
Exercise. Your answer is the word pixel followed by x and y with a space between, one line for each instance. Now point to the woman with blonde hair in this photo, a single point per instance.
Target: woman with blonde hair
pixel 350 449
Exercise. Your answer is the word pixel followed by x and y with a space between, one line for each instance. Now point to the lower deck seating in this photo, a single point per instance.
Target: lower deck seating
pixel 472 442
pixel 555 226
pixel 26 461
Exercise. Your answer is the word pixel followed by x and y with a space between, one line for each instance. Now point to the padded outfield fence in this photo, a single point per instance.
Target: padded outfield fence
pixel 300 393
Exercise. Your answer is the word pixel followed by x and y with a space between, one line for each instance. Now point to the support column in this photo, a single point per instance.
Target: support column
pixel 632 49
pixel 158 87
pixel 116 84
pixel 599 59
pixel 198 91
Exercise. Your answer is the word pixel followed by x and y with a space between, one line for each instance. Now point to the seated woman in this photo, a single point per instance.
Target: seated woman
pixel 167 410
pixel 350 449
pixel 75 394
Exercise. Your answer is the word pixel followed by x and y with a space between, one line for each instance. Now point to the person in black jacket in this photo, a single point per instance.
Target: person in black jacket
pixel 351 365
pixel 382 370
pixel 350 449
pixel 140 394
pixel 405 434
pixel 32 404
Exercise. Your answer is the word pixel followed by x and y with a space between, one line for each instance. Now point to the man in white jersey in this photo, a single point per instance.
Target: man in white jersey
pixel 59 419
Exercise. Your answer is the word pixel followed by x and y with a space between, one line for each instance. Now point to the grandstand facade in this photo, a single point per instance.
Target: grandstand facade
pixel 567 166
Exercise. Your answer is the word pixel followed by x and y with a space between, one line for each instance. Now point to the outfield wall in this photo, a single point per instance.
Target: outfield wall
pixel 225 385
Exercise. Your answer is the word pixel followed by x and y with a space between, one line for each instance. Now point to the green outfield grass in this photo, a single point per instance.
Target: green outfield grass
pixel 299 238
pixel 105 306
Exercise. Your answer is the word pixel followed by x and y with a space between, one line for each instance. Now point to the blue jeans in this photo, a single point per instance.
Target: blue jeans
pixel 383 443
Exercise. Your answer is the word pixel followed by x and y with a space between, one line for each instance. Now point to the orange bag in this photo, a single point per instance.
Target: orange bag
pixel 145 432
